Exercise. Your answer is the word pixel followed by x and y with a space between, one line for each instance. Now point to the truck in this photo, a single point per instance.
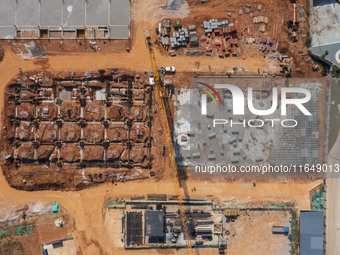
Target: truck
pixel 280 230
pixel 147 34
pixel 169 69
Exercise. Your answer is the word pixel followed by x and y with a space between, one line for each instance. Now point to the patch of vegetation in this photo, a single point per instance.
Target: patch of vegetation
pixel 308 41
pixel 295 242
pixel 335 71
pixel 2 53
pixel 307 9
pixel 316 198
pixel 324 67
pixel 325 54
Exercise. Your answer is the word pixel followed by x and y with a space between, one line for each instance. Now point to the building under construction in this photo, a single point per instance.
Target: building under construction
pixel 156 223
pixel 65 19
pixel 60 123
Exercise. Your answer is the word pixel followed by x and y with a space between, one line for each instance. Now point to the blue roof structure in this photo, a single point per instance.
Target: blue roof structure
pixel 311 232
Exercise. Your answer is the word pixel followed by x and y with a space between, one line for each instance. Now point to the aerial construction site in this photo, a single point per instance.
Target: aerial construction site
pixel 117 128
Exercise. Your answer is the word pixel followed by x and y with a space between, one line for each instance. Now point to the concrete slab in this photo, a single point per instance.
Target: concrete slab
pixel 7 32
pixel 68 248
pixel 27 13
pixel 6 12
pixel 65 15
pixel 120 32
pixel 97 12
pixel 120 12
pixel 326 30
pixel 50 13
pixel 326 22
pixel 74 14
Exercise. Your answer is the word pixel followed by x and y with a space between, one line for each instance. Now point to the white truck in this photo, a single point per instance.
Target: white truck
pixel 169 69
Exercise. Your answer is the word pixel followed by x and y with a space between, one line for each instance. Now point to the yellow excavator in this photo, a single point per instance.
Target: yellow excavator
pixel 161 94
pixel 286 65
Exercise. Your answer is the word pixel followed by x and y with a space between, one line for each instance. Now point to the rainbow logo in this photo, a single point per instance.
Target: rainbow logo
pixel 209 93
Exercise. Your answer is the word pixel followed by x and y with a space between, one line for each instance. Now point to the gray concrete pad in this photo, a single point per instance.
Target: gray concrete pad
pixel 326 30
pixel 7 32
pixel 50 13
pixel 74 13
pixel 326 22
pixel 58 15
pixel 120 32
pixel 97 12
pixel 6 12
pixel 120 12
pixel 27 13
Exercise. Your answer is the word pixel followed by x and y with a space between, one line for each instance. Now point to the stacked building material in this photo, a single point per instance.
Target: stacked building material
pixel 211 25
pixel 165 33
pixel 157 197
pixel 180 38
pixel 194 41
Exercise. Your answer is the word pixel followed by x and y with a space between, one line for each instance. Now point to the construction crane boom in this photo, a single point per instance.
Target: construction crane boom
pixel 160 92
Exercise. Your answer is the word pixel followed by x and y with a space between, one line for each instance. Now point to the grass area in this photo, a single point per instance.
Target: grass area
pixel 335 114
pixel 295 242
pixel 335 71
pixel 316 198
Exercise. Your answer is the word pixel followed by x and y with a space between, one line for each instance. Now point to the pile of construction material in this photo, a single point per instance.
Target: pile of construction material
pixel 222 37
pixel 164 32
pixel 194 42
pixel 180 36
pixel 211 25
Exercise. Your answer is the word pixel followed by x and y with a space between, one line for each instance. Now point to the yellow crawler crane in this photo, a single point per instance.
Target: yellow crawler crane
pixel 160 94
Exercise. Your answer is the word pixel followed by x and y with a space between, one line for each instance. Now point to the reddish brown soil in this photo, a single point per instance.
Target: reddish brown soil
pixel 139 137
pixel 25 131
pixel 69 111
pixel 94 133
pixel 114 152
pixel 50 115
pixel 70 133
pixel 45 151
pixel 116 112
pixel 117 133
pixel 93 153
pixel 70 153
pixel 25 111
pixel 94 111
pixel 25 151
pixel 50 134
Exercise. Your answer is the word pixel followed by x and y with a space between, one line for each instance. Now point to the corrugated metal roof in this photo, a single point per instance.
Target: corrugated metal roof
pixel 311 232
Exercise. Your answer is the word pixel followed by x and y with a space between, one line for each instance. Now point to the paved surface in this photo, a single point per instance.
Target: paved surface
pixel 333 205
pixel 65 14
pixel 326 30
pixel 332 202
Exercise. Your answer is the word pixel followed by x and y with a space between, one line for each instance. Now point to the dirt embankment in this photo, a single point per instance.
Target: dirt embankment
pixel 2 53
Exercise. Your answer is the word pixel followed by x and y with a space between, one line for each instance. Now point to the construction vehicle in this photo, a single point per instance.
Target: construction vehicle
pixel 286 65
pixel 280 230
pixel 293 26
pixel 160 92
pixel 169 69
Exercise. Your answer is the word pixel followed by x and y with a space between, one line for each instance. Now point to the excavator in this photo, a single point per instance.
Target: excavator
pixel 162 97
pixel 286 67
